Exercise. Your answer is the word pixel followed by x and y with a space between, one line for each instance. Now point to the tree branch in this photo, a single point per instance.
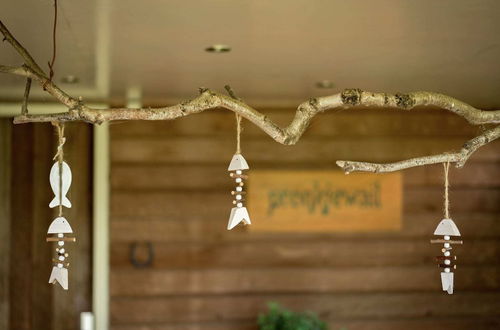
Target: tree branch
pixel 208 100
pixel 24 107
pixel 459 157
pixel 50 87
pixel 28 60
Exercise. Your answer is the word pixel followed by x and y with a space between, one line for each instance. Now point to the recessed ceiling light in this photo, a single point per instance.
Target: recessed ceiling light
pixel 218 48
pixel 70 79
pixel 325 84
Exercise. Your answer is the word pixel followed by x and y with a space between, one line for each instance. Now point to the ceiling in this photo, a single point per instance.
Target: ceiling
pixel 280 48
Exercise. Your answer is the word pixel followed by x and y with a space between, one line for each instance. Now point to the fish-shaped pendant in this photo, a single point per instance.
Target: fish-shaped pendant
pixel 239 213
pixel 59 274
pixel 59 188
pixel 447 261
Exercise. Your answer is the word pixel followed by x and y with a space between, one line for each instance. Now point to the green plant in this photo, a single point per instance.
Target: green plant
pixel 279 318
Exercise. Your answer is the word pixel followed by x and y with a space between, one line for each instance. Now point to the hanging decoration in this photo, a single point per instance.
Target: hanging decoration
pixel 60 181
pixel 447 228
pixel 238 164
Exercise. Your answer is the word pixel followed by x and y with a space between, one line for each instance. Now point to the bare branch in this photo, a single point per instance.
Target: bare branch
pixel 24 107
pixel 459 157
pixel 49 86
pixel 208 100
pixel 28 60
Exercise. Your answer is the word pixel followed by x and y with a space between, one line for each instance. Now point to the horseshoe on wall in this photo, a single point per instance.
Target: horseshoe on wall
pixel 133 251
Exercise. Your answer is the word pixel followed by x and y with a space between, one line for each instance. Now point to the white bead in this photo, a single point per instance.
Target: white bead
pixel 238 180
pixel 446 270
pixel 447 262
pixel 61 250
pixel 446 237
pixel 59 265
pixel 239 189
pixel 239 205
pixel 60 235
pixel 60 243
pixel 446 245
pixel 61 258
pixel 447 254
pixel 238 172
pixel 238 197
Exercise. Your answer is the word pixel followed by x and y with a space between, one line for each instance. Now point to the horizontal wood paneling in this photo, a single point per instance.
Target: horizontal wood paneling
pixel 308 253
pixel 170 187
pixel 206 177
pixel 329 306
pixel 156 229
pixel 212 150
pixel 429 323
pixel 178 205
pixel 292 280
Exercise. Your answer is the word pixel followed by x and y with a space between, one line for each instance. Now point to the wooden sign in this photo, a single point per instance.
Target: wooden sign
pixel 319 201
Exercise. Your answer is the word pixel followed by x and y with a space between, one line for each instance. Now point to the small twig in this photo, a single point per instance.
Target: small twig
pixel 28 60
pixel 231 92
pixel 50 87
pixel 459 158
pixel 24 106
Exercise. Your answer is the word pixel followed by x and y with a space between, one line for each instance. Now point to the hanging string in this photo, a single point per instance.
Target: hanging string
pixel 446 167
pixel 54 30
pixel 238 133
pixel 60 157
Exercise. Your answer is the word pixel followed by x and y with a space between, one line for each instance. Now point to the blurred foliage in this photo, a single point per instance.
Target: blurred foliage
pixel 279 318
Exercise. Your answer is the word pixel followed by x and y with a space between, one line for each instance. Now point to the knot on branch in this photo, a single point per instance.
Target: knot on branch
pixel 203 90
pixel 405 101
pixel 314 103
pixel 351 96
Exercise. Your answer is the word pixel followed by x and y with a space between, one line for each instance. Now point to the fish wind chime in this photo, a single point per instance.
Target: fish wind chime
pixel 60 181
pixel 447 229
pixel 238 164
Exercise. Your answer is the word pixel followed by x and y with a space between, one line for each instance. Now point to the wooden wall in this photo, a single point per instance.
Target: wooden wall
pixel 27 300
pixel 170 187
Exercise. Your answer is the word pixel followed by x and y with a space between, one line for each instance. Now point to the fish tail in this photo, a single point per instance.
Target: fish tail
pixel 56 202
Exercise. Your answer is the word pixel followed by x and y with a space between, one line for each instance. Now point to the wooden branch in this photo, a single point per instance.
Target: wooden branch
pixel 28 60
pixel 49 87
pixel 24 106
pixel 289 135
pixel 459 157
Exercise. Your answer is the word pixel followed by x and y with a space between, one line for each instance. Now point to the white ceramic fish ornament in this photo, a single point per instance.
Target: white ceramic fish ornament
pixel 447 228
pixel 238 213
pixel 60 188
pixel 59 274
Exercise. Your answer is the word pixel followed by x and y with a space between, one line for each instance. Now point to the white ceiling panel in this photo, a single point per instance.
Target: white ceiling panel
pixel 280 48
